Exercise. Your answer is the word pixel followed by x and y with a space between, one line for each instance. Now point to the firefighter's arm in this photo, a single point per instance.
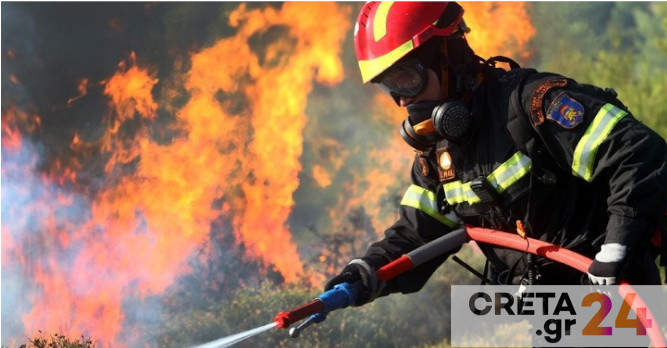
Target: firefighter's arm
pixel 419 222
pixel 590 134
pixel 631 161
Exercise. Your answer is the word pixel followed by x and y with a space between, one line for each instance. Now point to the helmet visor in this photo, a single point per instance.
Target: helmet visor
pixel 406 79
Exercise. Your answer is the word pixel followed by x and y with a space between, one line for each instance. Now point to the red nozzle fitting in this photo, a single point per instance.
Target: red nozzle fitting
pixel 285 319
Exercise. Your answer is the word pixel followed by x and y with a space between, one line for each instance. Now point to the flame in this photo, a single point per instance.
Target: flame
pixel 387 164
pixel 269 176
pixel 82 88
pixel 321 176
pixel 499 28
pixel 130 91
pixel 237 139
pixel 87 283
pixel 11 135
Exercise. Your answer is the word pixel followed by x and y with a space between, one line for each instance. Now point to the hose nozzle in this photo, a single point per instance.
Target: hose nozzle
pixel 315 318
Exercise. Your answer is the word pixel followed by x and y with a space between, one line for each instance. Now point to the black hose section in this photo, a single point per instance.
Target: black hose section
pixel 449 242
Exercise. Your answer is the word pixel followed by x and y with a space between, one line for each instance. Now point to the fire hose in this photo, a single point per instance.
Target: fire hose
pixel 345 294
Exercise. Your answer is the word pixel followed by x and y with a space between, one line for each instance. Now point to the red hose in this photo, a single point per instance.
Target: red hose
pixel 564 256
pixel 533 246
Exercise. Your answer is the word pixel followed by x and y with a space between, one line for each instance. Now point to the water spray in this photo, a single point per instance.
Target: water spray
pixel 236 338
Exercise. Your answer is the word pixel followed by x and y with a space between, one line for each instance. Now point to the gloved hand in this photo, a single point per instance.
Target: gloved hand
pixel 607 264
pixel 359 271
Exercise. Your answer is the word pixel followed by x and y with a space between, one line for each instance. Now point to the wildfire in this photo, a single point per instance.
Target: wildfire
pixel 499 28
pixel 237 139
pixel 79 242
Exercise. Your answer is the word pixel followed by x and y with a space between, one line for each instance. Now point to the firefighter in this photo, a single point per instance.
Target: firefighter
pixel 506 149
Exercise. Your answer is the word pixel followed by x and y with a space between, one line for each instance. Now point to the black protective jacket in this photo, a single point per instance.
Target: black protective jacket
pixel 588 173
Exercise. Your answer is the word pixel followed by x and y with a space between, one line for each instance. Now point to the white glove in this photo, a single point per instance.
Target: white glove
pixel 607 264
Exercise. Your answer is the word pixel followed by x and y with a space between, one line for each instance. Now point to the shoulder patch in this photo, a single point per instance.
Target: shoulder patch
pixel 536 112
pixel 565 111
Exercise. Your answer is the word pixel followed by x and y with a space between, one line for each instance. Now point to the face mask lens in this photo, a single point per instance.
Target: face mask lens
pixel 404 80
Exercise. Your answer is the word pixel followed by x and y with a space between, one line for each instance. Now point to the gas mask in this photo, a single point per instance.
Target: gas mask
pixel 429 122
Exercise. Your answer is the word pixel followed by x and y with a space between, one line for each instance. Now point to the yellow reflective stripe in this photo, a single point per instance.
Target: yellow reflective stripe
pixel 456 192
pixel 425 200
pixel 584 154
pixel 470 195
pixel 506 175
pixel 373 67
pixel 510 172
pixel 380 20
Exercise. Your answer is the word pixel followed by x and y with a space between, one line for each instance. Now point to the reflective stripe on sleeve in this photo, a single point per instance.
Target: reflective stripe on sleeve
pixel 510 172
pixel 425 200
pixel 506 175
pixel 457 192
pixel 584 154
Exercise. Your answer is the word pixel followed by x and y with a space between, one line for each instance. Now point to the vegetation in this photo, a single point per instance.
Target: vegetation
pixel 617 45
pixel 425 316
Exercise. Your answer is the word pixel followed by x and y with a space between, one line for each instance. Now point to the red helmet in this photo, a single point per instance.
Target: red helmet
pixel 386 31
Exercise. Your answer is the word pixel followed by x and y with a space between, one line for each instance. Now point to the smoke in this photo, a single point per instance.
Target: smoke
pixel 15 201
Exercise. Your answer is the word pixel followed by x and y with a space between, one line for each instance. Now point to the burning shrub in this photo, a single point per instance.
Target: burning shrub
pixel 58 341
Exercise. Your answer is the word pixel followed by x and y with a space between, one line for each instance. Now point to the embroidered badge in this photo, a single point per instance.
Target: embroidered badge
pixel 565 111
pixel 536 113
pixel 445 165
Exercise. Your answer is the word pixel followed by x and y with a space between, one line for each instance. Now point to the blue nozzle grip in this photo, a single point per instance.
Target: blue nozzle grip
pixel 341 296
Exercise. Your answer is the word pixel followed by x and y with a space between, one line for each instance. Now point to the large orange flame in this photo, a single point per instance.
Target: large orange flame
pixel 499 28
pixel 276 144
pixel 237 140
